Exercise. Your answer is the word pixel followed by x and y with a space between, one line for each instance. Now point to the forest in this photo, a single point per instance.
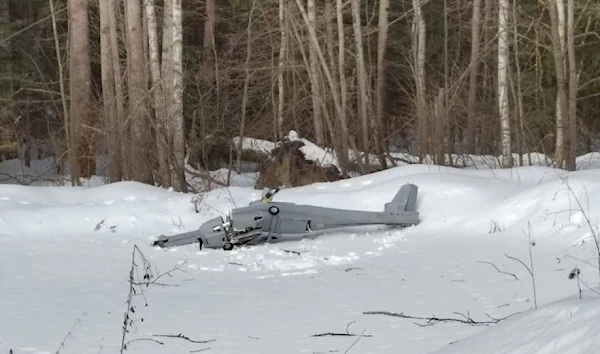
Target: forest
pixel 139 89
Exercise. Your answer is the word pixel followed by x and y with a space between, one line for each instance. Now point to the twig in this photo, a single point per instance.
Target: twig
pixel 499 271
pixel 530 245
pixel 333 334
pixel 184 337
pixel 167 273
pixel 520 261
pixel 62 344
pixel 530 272
pixel 356 341
pixel 199 350
pixel 137 284
pixel 141 339
pixel 466 319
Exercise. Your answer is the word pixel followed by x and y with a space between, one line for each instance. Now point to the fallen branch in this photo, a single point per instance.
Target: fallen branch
pixel 465 319
pixel 346 334
pixel 498 270
pixel 353 268
pixel 298 253
pixel 184 337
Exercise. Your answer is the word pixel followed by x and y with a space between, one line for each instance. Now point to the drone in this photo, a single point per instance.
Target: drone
pixel 267 221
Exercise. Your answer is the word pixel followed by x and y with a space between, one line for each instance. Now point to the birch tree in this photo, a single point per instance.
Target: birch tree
pixel 503 60
pixel 177 124
pixel 167 84
pixel 559 67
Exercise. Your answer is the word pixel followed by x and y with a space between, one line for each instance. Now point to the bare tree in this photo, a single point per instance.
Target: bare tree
pixel 68 124
pixel 281 64
pixel 573 86
pixel 503 60
pixel 177 124
pixel 80 86
pixel 161 122
pixel 119 125
pixel 518 95
pixel 314 78
pixel 361 78
pixel 380 92
pixel 243 112
pixel 314 41
pixel 473 72
pixel 109 95
pixel 418 40
pixel 559 67
pixel 342 80
pixel 140 164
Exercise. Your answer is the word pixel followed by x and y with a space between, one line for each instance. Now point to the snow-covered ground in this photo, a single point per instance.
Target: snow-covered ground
pixel 66 255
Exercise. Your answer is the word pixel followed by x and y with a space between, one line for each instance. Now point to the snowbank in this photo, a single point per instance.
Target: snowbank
pixel 66 251
pixel 569 326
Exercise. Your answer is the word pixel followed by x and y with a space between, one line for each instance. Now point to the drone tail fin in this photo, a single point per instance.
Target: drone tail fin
pixel 405 203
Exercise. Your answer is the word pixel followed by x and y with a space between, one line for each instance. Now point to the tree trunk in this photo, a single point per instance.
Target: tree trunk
pixel 109 95
pixel 177 122
pixel 282 56
pixel 68 125
pixel 503 109
pixel 573 85
pixel 167 77
pixel 246 88
pixel 519 94
pixel 118 126
pixel 380 92
pixel 314 78
pixel 361 77
pixel 140 164
pixel 561 104
pixel 472 120
pixel 419 37
pixel 81 88
pixel 342 80
pixel 162 146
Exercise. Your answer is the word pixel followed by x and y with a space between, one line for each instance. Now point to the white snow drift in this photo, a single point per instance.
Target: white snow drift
pixel 66 255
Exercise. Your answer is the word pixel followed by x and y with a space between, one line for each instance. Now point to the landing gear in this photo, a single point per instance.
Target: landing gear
pixel 227 247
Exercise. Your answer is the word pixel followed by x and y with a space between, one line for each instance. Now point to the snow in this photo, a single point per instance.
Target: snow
pixel 66 255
